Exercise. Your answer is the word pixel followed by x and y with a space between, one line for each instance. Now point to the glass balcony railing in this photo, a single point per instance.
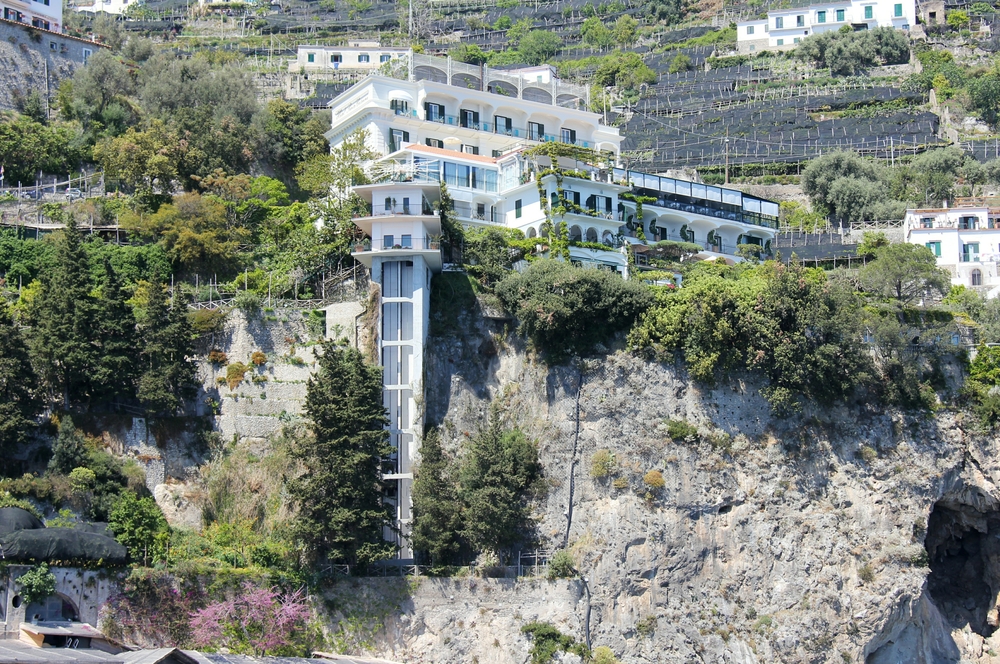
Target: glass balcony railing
pixel 970 258
pixel 503 129
pixel 398 243
pixel 393 210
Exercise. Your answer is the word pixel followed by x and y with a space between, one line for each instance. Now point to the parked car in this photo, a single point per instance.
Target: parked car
pixel 32 194
pixel 73 194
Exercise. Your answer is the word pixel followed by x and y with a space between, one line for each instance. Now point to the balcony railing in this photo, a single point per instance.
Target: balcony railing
pixel 393 210
pixel 970 258
pixel 493 128
pixel 467 212
pixel 398 243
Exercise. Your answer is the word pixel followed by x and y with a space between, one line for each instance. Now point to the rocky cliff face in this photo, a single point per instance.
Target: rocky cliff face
pixel 845 535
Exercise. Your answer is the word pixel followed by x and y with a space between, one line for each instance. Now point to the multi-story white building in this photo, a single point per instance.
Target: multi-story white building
pixel 44 14
pixel 784 28
pixel 357 56
pixel 965 240
pixel 108 6
pixel 475 130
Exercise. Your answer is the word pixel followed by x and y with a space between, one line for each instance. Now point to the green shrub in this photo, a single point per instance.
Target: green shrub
pixel 680 430
pixel 248 302
pixel 604 655
pixel 646 627
pixel 762 623
pixel 547 641
pixel 654 480
pixel 235 373
pixel 206 321
pixel 82 479
pixel 6 500
pixel 566 310
pixel 37 584
pixel 868 453
pixel 602 464
pixel 216 356
pixel 620 483
pixel 258 358
pixel 866 573
pixel 561 566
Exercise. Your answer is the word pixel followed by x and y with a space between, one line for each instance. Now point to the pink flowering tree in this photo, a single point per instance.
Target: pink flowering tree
pixel 257 621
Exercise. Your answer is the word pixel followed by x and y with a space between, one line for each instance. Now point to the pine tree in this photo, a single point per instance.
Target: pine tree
pixel 496 479
pixel 341 514
pixel 168 374
pixel 70 449
pixel 115 376
pixel 18 386
pixel 63 338
pixel 437 512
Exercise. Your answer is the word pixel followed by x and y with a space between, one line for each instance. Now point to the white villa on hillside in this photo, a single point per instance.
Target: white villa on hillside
pixel 784 28
pixel 360 56
pixel 474 129
pixel 966 241
pixel 44 14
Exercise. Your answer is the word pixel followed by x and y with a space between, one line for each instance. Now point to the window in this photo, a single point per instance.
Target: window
pixel 435 143
pixel 779 22
pixel 840 16
pixel 795 41
pixel 571 196
pixel 396 139
pixel 970 252
pixel 363 57
pixel 385 57
pixel 480 210
pixel 869 12
pixel 897 10
pixel 517 209
pixel 52 46
pixel 406 241
pixel 568 135
pixel 821 17
pixel 406 206
pixel 469 119
pixel 336 59
pixel 935 248
pixel 968 223
pixel 800 21
pixel 497 153
pixel 927 222
pixel 86 55
pixel 536 131
pixel 781 42
pixel 400 106
pixel 503 125
pixel 311 57
pixel 387 241
pixel 434 112
pixel 470 149
pixel 977 278
pixel 749 29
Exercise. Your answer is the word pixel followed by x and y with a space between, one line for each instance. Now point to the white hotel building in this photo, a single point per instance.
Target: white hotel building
pixel 784 28
pixel 44 14
pixel 470 128
pixel 966 241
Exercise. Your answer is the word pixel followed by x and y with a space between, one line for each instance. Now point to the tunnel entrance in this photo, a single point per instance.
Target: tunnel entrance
pixel 963 549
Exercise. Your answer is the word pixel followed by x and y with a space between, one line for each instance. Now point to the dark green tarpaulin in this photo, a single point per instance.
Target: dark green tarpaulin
pixel 62 544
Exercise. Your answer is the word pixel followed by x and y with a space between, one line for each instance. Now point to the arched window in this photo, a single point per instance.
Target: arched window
pixel 977 278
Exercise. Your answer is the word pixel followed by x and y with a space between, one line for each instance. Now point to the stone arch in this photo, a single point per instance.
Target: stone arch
pixel 569 101
pixel 502 88
pixel 532 233
pixel 467 81
pixel 607 238
pixel 54 608
pixel 575 234
pixel 591 234
pixel 532 93
pixel 976 277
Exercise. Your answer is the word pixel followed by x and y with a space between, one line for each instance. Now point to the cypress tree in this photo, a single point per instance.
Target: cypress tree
pixel 115 376
pixel 18 386
pixel 63 337
pixel 168 374
pixel 496 479
pixel 437 512
pixel 341 514
pixel 70 449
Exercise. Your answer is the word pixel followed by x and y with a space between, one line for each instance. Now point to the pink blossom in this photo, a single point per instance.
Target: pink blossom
pixel 259 620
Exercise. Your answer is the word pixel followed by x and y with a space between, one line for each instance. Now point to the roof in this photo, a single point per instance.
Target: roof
pixel 74 629
pixel 161 655
pixel 18 652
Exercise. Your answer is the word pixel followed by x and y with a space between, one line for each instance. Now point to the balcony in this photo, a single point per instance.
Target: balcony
pixel 969 257
pixel 399 248
pixel 400 209
pixel 493 128
pixel 466 212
